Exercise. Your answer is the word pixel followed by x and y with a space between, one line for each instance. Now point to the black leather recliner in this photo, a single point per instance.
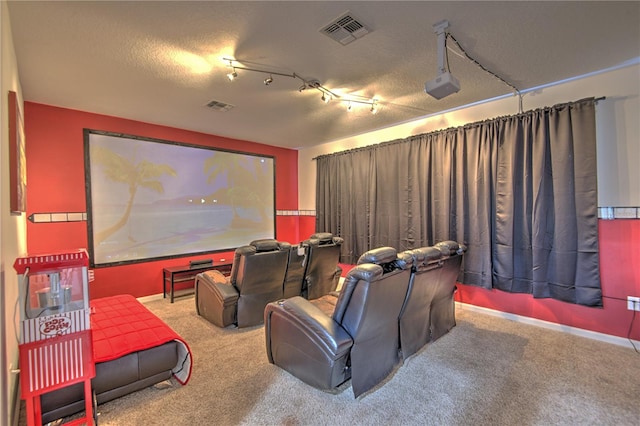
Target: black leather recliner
pixel 322 272
pixel 429 308
pixel 415 319
pixel 443 316
pixel 257 278
pixel 360 340
pixel 296 267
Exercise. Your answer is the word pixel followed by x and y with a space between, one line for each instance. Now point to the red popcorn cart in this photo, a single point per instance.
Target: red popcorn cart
pixel 56 348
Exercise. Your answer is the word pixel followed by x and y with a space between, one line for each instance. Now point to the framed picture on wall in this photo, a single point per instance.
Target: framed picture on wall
pixel 17 158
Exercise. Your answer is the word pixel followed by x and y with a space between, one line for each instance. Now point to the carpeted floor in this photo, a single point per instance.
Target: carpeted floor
pixel 486 371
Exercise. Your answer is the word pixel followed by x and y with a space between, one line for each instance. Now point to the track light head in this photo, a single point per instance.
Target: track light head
pixel 268 80
pixel 374 108
pixel 349 107
pixel 326 98
pixel 310 84
pixel 232 75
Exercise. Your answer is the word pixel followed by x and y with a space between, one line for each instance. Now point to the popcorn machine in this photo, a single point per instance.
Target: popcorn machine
pixel 55 348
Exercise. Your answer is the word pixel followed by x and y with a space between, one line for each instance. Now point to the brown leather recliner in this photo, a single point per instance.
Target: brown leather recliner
pixel 257 278
pixel 322 271
pixel 359 340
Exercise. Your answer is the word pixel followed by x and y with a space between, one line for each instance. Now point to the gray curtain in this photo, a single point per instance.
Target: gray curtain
pixel 519 191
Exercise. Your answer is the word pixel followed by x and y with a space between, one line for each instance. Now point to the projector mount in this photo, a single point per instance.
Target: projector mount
pixel 445 83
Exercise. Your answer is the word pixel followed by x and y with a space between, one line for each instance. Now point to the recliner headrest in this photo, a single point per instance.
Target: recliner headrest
pixel 448 248
pixel 404 261
pixel 244 250
pixel 366 272
pixel 388 258
pixel 323 239
pixel 284 245
pixel 267 244
pixel 425 254
pixel 425 258
pixel 379 256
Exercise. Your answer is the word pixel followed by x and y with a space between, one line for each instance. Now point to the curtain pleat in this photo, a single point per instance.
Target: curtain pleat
pixel 519 191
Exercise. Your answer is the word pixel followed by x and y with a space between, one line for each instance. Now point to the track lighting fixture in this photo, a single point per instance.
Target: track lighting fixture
pixel 327 95
pixel 233 74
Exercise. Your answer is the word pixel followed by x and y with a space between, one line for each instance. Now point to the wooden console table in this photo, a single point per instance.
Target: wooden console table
pixel 177 274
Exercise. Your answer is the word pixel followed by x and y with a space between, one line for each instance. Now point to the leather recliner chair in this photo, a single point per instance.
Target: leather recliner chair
pixel 322 272
pixel 429 308
pixel 296 267
pixel 443 317
pixel 257 278
pixel 359 340
pixel 415 319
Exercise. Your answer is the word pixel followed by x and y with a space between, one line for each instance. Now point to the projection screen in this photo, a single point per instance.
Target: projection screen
pixel 149 199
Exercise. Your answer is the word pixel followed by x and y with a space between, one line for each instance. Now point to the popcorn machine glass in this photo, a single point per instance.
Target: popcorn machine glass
pixel 53 285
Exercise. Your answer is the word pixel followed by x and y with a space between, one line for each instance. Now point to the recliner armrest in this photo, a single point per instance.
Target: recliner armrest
pixel 216 299
pixel 227 293
pixel 303 315
pixel 218 284
pixel 214 276
pixel 307 343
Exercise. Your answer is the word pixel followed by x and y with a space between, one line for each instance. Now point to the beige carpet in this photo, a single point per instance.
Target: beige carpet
pixel 486 371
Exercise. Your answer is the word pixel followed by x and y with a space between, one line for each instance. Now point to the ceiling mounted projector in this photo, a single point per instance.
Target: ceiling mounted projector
pixel 445 83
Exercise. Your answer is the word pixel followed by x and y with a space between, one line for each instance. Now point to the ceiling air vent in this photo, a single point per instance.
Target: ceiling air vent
pixel 345 29
pixel 219 106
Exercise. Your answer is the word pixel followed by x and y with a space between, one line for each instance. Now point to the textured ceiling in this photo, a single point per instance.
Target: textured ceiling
pixel 161 62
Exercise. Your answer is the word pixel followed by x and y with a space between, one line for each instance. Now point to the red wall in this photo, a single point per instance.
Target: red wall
pixel 307 226
pixel 620 277
pixel 55 177
pixel 55 183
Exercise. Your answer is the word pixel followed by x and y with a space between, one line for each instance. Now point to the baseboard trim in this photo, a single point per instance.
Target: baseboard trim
pixel 607 338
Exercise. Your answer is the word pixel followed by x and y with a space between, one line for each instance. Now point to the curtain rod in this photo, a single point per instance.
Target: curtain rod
pixel 595 100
